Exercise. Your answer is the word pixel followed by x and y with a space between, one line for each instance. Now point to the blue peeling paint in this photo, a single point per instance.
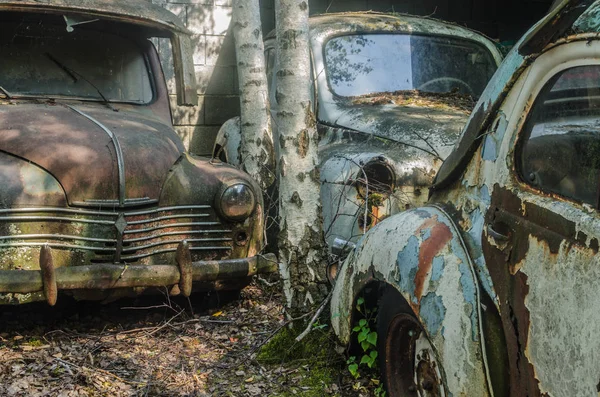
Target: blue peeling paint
pixel 426 234
pixel 408 264
pixel 493 140
pixel 484 195
pixel 470 295
pixel 476 231
pixel 490 148
pixel 432 312
pixel 437 269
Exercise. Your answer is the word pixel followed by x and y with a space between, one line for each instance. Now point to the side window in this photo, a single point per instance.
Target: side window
pixel 560 150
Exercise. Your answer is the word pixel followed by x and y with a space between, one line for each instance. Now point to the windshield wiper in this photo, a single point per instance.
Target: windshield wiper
pixel 7 94
pixel 76 76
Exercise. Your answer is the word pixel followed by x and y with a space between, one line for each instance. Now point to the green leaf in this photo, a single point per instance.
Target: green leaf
pixel 360 301
pixel 356 329
pixel 362 337
pixel 374 354
pixel 362 323
pixel 365 345
pixel 372 338
pixel 353 368
pixel 365 359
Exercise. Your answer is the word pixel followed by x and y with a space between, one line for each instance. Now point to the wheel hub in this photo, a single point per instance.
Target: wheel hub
pixel 427 376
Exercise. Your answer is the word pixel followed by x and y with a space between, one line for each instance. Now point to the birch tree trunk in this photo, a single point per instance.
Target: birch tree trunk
pixel 256 147
pixel 301 244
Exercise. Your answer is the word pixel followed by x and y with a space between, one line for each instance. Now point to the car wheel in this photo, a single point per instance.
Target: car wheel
pixel 408 361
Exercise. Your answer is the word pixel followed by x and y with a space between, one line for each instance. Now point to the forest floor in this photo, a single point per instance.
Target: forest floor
pixel 159 346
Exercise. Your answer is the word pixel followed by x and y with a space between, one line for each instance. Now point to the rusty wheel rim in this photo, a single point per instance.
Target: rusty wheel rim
pixel 411 368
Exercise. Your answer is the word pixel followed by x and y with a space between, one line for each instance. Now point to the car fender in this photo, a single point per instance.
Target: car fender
pixel 421 253
pixel 228 142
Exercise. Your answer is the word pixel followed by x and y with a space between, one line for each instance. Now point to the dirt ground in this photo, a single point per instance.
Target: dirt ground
pixel 218 345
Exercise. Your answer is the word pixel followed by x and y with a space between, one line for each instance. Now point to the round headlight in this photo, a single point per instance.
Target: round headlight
pixel 376 176
pixel 237 202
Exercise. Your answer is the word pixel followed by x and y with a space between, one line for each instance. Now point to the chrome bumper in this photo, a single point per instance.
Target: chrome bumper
pixel 50 280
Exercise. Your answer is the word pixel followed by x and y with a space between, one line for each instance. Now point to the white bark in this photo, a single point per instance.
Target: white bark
pixel 301 244
pixel 256 150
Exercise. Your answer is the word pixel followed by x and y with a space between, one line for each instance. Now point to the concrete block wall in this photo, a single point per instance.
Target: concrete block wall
pixel 214 63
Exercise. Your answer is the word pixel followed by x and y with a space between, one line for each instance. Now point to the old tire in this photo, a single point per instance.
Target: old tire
pixel 407 359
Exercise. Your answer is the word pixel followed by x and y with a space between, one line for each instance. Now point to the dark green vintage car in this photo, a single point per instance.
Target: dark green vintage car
pixel 98 196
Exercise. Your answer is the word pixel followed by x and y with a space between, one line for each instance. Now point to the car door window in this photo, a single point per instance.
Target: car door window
pixel 560 151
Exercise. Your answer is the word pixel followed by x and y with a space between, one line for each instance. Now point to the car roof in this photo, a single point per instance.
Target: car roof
pixel 571 16
pixel 139 12
pixel 366 21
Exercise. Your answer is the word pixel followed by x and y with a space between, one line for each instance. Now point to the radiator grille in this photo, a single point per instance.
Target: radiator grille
pixel 112 236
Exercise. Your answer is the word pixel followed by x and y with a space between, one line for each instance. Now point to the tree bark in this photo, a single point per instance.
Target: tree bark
pixel 256 147
pixel 301 244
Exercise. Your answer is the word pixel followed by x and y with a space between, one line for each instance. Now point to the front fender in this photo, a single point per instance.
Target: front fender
pixel 228 142
pixel 421 253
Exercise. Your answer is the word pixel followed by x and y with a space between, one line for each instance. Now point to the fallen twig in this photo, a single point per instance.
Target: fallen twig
pixel 315 317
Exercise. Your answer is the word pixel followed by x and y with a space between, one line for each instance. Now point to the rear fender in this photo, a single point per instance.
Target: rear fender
pixel 421 253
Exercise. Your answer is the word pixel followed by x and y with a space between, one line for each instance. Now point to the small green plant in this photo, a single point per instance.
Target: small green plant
pixel 367 338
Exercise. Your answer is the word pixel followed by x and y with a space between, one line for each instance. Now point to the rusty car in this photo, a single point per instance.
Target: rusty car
pixel 391 95
pixel 492 288
pixel 99 197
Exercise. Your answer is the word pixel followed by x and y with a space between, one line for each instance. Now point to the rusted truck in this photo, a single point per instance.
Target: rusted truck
pixel 493 287
pixel 391 95
pixel 98 196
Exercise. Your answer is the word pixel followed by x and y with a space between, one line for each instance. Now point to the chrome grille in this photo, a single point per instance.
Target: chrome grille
pixel 113 236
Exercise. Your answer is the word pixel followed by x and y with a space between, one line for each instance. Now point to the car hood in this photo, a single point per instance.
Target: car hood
pixel 431 129
pixel 74 144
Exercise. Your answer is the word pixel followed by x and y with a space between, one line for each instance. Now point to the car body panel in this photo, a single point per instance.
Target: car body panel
pixel 100 200
pixel 87 166
pixel 431 268
pixel 535 253
pixel 412 139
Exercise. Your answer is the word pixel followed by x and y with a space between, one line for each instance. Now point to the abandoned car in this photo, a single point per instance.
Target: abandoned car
pixel 392 94
pixel 492 288
pixel 99 197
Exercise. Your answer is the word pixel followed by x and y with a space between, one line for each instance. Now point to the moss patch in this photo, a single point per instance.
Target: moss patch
pixel 314 362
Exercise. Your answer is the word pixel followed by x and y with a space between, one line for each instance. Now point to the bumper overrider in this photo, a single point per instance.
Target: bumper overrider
pixel 182 274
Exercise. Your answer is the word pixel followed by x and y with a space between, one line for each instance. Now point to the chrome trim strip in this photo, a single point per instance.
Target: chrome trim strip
pixel 168 250
pixel 103 213
pixel 183 232
pixel 191 224
pixel 164 218
pixel 53 218
pixel 55 245
pixel 159 243
pixel 165 209
pixel 56 210
pixel 57 237
pixel 118 151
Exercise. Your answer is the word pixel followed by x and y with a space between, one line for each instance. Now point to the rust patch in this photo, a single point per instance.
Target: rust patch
pixel 429 249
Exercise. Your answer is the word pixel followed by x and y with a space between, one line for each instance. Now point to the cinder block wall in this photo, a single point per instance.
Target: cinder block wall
pixel 214 55
pixel 214 62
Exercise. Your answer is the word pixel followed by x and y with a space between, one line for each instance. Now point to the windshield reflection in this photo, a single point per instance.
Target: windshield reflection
pixel 371 63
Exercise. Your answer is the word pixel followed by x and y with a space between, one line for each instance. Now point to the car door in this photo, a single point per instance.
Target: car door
pixel 540 242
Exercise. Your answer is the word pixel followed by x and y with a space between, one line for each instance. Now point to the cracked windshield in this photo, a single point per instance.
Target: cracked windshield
pixel 366 64
pixel 42 59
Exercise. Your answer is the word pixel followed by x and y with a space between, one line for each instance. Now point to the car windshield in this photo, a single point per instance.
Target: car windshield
pixel 42 59
pixel 365 64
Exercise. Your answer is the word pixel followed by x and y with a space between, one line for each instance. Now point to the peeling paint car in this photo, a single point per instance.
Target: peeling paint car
pixel 492 288
pixel 392 93
pixel 99 198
